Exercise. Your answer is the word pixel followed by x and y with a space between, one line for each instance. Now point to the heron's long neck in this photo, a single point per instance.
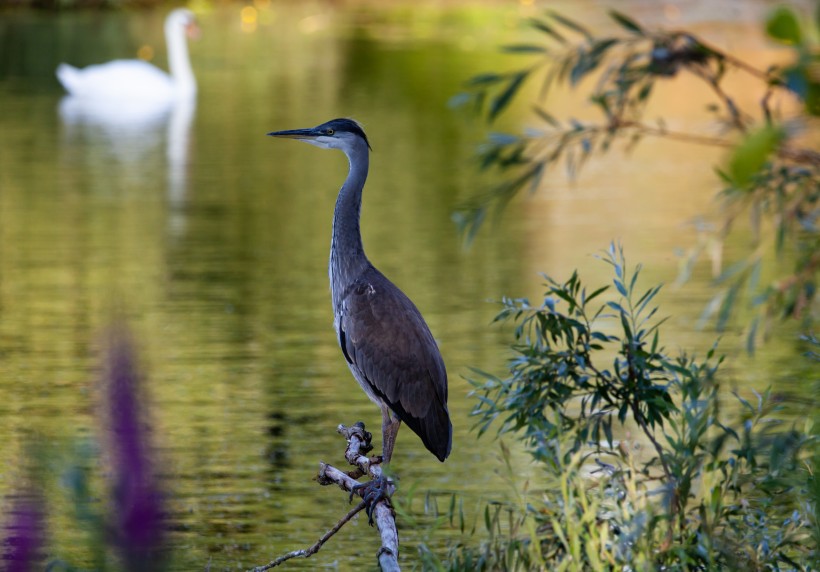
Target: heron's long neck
pixel 347 258
pixel 179 63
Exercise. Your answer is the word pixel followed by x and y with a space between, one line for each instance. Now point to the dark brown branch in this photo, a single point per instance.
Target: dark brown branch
pixel 636 413
pixel 738 63
pixel 639 418
pixel 801 156
pixel 680 136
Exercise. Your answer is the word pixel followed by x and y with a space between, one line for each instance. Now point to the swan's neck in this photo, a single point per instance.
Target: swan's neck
pixel 179 63
pixel 347 258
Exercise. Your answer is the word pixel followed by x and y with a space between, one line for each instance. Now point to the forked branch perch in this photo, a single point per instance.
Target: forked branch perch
pixel 358 445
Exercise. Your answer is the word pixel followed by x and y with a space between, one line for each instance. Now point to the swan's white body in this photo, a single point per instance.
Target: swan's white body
pixel 135 79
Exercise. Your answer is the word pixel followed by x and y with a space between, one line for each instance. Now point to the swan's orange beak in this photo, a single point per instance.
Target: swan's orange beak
pixel 192 31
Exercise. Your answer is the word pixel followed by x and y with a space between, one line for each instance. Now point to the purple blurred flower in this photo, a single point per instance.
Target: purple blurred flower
pixel 24 534
pixel 138 519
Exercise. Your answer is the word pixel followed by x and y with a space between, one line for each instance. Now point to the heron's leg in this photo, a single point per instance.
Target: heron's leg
pixel 390 428
pixel 373 492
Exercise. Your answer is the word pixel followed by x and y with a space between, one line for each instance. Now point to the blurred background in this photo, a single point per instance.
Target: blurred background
pixel 211 241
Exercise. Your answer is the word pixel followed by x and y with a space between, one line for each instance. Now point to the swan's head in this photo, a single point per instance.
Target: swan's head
pixel 182 19
pixel 344 134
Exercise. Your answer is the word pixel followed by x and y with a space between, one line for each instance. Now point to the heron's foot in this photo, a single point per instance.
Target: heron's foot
pixel 372 493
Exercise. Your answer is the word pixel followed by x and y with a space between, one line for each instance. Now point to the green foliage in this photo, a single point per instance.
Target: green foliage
pixel 687 491
pixel 750 156
pixel 544 383
pixel 768 177
pixel 784 26
pixel 77 476
pixel 789 198
pixel 801 76
pixel 634 465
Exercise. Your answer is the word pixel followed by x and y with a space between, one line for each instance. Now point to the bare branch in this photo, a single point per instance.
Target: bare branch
pixel 358 446
pixel 307 552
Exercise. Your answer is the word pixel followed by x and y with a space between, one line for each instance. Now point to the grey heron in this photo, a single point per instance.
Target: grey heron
pixel 384 339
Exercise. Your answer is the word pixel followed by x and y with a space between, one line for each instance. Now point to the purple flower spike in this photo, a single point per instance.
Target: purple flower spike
pixel 138 512
pixel 24 535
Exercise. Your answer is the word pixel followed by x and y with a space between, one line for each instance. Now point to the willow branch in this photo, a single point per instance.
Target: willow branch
pixel 738 63
pixel 802 156
pixel 636 413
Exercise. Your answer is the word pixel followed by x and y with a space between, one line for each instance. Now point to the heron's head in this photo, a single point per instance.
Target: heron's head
pixel 344 134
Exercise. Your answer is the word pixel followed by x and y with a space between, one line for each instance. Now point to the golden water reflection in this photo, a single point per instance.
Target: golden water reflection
pixel 212 240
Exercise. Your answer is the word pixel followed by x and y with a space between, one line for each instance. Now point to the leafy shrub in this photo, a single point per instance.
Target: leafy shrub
pixel 688 491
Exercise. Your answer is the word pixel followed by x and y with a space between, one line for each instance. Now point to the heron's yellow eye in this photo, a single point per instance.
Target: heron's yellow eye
pixel 329 131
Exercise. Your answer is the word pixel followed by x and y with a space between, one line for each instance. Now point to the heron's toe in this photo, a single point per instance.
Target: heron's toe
pixel 372 493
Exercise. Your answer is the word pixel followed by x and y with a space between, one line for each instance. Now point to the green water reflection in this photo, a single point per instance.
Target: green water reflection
pixel 213 240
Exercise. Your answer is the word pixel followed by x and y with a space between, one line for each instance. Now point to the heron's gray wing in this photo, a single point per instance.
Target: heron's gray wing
pixel 391 349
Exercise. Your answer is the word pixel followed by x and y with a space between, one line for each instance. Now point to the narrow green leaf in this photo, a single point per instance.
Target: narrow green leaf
pixel 524 49
pixel 780 238
pixel 503 99
pixel 583 66
pixel 643 93
pixel 754 277
pixel 647 297
pixel 635 277
pixel 625 325
pixel 596 293
pixel 751 336
pixel 547 29
pixel 723 176
pixel 732 271
pixel 729 431
pixel 607 423
pixel 485 79
pixel 726 307
pixel 546 116
pixel 622 411
pixel 744 402
pixel 615 306
pixel 459 100
pixel 601 46
pixel 571 24
pixel 626 22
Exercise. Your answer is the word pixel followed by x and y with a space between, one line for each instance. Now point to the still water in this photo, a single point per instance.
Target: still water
pixel 213 241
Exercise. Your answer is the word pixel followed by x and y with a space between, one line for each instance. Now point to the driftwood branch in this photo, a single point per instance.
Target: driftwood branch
pixel 307 552
pixel 358 445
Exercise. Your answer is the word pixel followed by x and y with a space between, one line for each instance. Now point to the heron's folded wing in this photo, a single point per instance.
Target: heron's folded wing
pixel 385 338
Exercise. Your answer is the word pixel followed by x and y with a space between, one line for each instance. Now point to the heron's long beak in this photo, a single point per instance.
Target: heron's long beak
pixel 296 134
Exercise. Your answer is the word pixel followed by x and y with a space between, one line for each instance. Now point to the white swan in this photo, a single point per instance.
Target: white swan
pixel 136 79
